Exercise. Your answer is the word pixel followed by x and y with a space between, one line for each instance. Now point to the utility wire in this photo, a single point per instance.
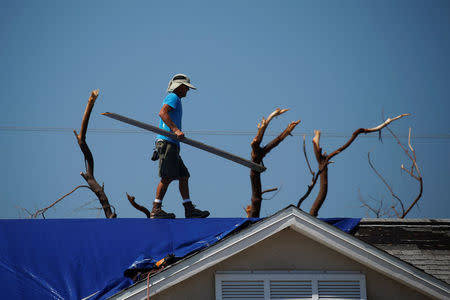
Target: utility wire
pixel 441 136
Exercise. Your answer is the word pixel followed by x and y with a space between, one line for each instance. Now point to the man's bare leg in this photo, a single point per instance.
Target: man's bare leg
pixel 161 190
pixel 189 210
pixel 184 187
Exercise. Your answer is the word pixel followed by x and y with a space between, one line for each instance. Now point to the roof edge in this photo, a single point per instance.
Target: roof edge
pixel 405 222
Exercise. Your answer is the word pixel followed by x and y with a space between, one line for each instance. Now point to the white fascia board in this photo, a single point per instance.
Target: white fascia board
pixel 305 224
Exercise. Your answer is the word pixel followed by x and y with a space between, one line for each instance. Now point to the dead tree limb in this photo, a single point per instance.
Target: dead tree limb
pixel 258 153
pixel 306 156
pixel 376 211
pixel 43 210
pixel 248 208
pixel 394 196
pixel 137 206
pixel 30 215
pixel 395 211
pixel 414 167
pixel 313 179
pixel 309 190
pixel 269 191
pixel 365 131
pixel 323 159
pixel 416 199
pixel 379 211
pixel 25 210
pixel 89 159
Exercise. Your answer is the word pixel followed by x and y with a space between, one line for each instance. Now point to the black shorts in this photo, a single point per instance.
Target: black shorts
pixel 170 163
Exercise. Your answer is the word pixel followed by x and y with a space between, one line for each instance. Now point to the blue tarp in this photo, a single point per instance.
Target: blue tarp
pixel 74 258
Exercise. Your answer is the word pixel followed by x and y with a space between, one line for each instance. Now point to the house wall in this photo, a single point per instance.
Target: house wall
pixel 288 250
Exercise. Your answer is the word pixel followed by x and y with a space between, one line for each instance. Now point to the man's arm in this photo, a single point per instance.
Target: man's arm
pixel 164 115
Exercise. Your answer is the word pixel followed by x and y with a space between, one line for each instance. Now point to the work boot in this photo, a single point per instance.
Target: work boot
pixel 191 212
pixel 158 213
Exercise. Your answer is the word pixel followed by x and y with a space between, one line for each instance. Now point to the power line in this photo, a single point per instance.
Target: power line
pixel 32 129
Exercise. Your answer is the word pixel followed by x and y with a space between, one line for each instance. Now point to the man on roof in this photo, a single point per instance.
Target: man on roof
pixel 171 166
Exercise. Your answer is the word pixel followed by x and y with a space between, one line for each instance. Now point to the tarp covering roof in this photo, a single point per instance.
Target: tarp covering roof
pixel 75 258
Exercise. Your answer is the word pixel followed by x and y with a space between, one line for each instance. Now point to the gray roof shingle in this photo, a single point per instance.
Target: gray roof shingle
pixel 424 243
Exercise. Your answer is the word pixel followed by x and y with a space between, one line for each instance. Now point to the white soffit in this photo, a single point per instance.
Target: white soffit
pixel 305 224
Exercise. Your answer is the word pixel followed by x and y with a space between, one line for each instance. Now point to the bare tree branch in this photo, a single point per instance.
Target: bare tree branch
pixel 418 177
pixel 310 188
pixel 43 210
pixel 396 212
pixel 137 206
pixel 379 210
pixel 376 211
pixel 409 143
pixel 269 190
pixel 414 167
pixel 365 130
pixel 265 123
pixel 323 159
pixel 314 176
pixel 277 190
pixel 385 183
pixel 89 159
pixel 306 156
pixel 25 210
pixel 276 141
pixel 417 198
pixel 414 162
pixel 410 173
pixel 81 138
pixel 85 205
pixel 248 208
pixel 258 153
pixel 400 144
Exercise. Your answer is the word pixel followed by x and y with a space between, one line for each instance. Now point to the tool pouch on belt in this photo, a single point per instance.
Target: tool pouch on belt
pixel 155 155
pixel 159 151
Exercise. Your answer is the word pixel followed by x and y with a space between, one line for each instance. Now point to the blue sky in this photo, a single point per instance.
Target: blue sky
pixel 338 65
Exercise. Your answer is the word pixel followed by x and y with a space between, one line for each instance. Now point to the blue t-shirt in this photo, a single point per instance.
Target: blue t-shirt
pixel 175 114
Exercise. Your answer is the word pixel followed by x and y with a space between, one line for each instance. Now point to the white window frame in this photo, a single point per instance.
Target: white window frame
pixel 313 276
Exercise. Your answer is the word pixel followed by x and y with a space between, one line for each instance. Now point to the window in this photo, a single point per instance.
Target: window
pixel 290 285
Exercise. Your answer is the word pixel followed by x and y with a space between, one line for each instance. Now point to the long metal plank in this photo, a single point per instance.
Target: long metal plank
pixel 245 162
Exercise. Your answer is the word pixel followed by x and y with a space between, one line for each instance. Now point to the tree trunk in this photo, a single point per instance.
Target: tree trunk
pixel 322 193
pixel 255 179
pixel 89 159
